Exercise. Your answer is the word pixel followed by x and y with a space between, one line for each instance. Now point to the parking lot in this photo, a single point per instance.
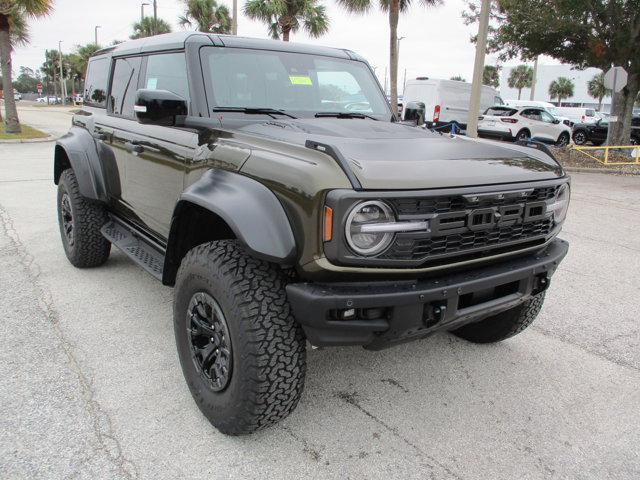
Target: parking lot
pixel 90 385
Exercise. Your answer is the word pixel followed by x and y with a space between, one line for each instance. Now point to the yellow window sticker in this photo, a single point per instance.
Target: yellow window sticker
pixel 300 80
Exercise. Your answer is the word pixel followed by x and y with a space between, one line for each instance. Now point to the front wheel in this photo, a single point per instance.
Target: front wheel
pixel 563 140
pixel 503 325
pixel 579 137
pixel 241 351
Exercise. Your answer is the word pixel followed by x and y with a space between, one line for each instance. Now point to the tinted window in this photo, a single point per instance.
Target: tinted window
pixel 167 72
pixel 635 121
pixel 124 86
pixel 95 84
pixel 500 111
pixel 532 114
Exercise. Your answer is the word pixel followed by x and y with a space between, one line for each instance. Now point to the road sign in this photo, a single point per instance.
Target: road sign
pixel 39 87
pixel 615 79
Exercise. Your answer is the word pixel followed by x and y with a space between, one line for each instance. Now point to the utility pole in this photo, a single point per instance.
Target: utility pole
pixel 95 34
pixel 62 86
pixel 385 80
pixel 404 82
pixel 535 78
pixel 142 10
pixel 234 21
pixel 155 16
pixel 478 66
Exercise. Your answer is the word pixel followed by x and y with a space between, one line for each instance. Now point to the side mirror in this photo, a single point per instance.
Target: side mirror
pixel 556 121
pixel 159 107
pixel 414 112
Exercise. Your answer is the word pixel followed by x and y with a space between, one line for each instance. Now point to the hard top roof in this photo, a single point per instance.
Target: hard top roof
pixel 177 40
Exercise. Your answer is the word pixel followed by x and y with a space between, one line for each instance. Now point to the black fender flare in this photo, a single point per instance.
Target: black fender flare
pixel 78 149
pixel 249 208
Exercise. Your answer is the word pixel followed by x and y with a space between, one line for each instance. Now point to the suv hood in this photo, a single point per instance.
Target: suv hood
pixel 385 155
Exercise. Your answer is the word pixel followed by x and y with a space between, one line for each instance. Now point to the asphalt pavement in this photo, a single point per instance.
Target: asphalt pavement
pixel 90 385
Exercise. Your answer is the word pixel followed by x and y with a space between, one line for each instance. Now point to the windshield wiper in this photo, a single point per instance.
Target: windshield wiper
pixel 253 111
pixel 344 115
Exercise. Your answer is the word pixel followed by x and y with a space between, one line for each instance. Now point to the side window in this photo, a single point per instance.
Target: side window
pixel 123 86
pixel 167 71
pixel 95 83
pixel 546 117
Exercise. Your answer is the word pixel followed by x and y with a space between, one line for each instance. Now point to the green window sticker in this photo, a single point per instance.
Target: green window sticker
pixel 300 80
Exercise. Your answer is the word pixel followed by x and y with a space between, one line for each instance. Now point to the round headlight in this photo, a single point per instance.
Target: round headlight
pixel 560 206
pixel 363 215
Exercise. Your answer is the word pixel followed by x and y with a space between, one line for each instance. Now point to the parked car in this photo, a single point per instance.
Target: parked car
pixel 49 99
pixel 549 107
pixel 17 96
pixel 219 165
pixel 523 123
pixel 578 114
pixel 596 133
pixel 447 101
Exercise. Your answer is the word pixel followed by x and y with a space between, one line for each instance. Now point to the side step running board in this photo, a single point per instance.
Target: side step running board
pixel 137 248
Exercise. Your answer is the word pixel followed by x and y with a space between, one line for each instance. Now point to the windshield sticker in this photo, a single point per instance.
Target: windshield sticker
pixel 152 83
pixel 300 80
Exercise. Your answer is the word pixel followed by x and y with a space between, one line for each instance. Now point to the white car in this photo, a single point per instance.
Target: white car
pixel 523 123
pixel 549 107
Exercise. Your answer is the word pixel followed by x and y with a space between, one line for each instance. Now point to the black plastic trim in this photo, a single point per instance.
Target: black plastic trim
pixel 335 153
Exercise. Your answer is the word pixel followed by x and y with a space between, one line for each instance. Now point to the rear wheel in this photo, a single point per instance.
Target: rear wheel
pixel 523 135
pixel 503 325
pixel 242 353
pixel 80 221
pixel 563 140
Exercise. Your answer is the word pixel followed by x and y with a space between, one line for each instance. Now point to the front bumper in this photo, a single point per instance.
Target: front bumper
pixel 387 313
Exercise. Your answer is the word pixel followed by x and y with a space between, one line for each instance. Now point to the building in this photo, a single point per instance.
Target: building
pixel 549 73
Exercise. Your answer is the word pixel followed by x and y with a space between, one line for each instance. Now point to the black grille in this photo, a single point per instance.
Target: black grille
pixel 453 203
pixel 416 248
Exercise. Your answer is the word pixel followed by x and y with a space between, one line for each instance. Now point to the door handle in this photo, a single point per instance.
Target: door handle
pixel 133 147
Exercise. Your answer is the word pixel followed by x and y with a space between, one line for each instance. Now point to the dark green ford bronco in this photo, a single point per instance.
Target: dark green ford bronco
pixel 271 185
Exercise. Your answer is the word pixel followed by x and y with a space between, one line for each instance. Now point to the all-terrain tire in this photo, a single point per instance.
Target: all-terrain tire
pixel 80 220
pixel 268 347
pixel 503 325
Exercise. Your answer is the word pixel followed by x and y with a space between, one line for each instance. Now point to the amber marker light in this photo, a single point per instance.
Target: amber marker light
pixel 328 224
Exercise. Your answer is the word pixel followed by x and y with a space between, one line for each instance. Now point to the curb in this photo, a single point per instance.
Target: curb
pixel 50 138
pixel 613 171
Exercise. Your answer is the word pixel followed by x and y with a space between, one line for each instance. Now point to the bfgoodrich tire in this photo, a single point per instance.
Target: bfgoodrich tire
pixel 80 221
pixel 503 325
pixel 242 353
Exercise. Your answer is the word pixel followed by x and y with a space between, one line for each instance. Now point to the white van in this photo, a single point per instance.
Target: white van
pixel 579 114
pixel 549 107
pixel 447 101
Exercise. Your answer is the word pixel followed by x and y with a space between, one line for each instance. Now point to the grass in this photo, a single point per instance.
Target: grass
pixel 28 133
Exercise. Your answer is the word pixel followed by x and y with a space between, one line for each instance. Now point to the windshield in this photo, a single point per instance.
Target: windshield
pixel 299 84
pixel 553 111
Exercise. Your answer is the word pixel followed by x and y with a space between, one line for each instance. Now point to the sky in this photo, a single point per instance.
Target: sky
pixel 436 42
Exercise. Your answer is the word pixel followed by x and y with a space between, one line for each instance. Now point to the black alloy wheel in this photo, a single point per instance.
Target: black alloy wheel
pixel 208 335
pixel 579 137
pixel 66 214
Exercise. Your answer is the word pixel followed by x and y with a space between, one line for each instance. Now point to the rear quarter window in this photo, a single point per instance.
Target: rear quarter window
pixel 500 111
pixel 95 83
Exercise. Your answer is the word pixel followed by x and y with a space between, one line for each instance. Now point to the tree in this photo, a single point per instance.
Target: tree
pixel 393 8
pixel 148 27
pixel 207 16
pixel 520 77
pixel 561 88
pixel 13 31
pixel 595 33
pixel 491 76
pixel 284 17
pixel 27 80
pixel 596 88
pixel 458 78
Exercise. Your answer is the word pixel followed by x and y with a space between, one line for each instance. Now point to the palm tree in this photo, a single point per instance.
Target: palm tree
pixel 597 90
pixel 284 17
pixel 491 76
pixel 393 8
pixel 148 27
pixel 458 78
pixel 561 88
pixel 13 31
pixel 207 16
pixel 520 77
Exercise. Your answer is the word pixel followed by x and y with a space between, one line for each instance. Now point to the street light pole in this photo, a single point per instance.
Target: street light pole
pixel 234 21
pixel 478 66
pixel 533 81
pixel 95 34
pixel 142 10
pixel 155 16
pixel 62 86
